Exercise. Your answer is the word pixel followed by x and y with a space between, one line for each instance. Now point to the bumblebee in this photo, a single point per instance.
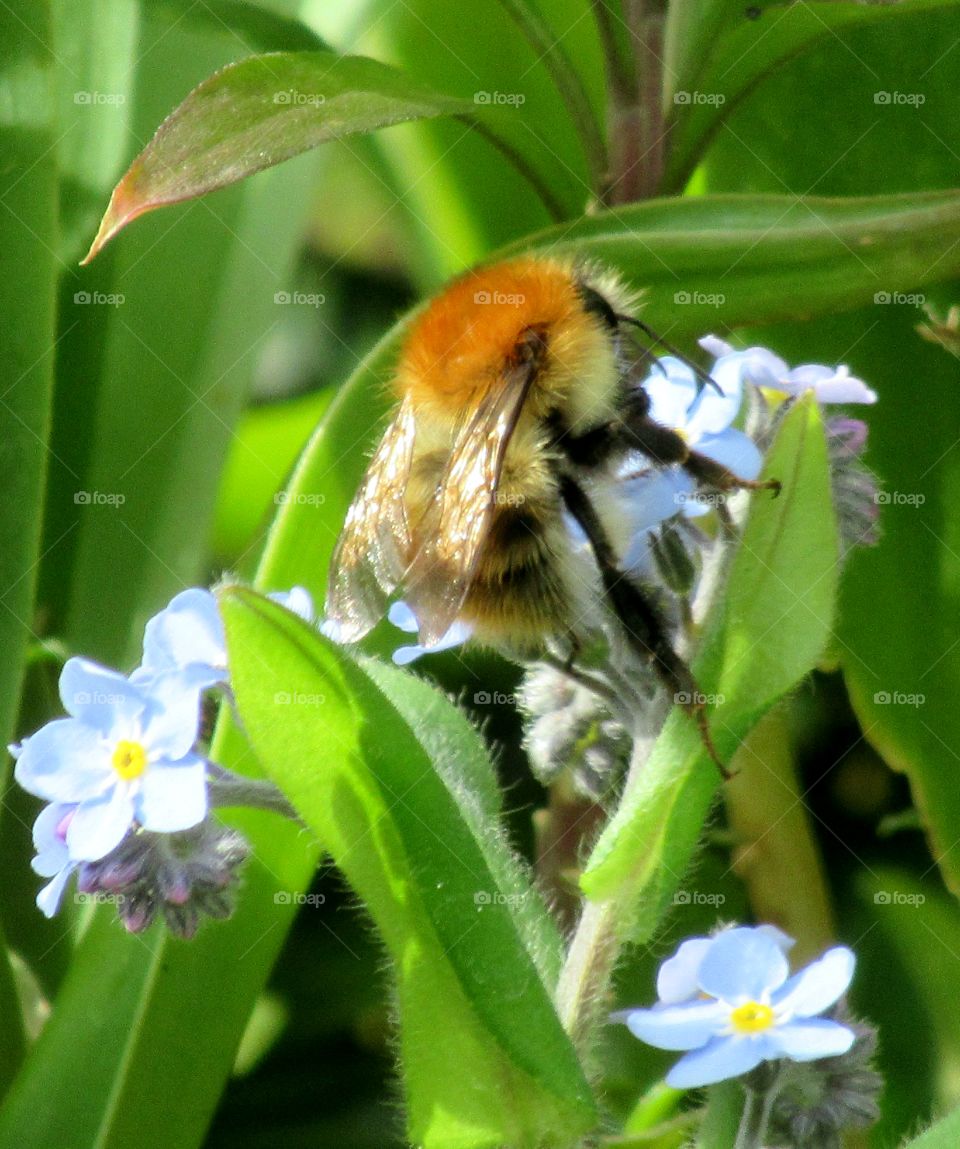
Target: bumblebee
pixel 517 409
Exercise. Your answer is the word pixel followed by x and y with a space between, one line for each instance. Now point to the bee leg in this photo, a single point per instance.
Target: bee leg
pixel 727 525
pixel 641 433
pixel 643 624
pixel 713 474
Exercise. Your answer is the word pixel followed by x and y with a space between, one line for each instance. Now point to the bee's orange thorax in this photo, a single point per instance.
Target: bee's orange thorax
pixel 462 341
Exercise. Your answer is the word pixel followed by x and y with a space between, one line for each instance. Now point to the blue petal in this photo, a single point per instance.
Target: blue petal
pixel 49 840
pixel 197 676
pixel 713 412
pixel 735 450
pixel 819 985
pixel 173 720
pixel 403 617
pixel 189 630
pixel 743 964
pixel 100 697
pixel 456 635
pixel 48 900
pixel 722 1058
pixel 678 1026
pixel 677 979
pixel 652 495
pixel 650 499
pixel 65 761
pixel 811 1038
pixel 100 825
pixel 174 797
pixel 784 941
pixel 404 655
pixel 756 365
pixel 671 388
pixel 833 385
pixel 715 346
pixel 298 600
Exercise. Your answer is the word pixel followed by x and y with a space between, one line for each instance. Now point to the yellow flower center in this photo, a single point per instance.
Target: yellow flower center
pixel 751 1017
pixel 129 760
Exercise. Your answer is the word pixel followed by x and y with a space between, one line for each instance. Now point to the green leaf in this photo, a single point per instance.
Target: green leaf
pixel 419 845
pixel 944 1135
pixel 728 260
pixel 708 82
pixel 767 629
pixel 462 199
pixel 28 271
pixel 28 274
pixel 96 45
pixel 266 445
pixel 900 599
pixel 256 114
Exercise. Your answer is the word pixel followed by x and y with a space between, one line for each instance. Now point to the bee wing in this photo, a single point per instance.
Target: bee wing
pixel 456 525
pixel 371 553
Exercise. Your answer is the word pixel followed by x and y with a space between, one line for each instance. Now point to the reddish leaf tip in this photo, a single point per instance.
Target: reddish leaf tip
pixel 123 208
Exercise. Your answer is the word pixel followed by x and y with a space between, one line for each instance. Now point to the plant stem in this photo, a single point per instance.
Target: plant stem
pixel 592 957
pixel 636 124
pixel 585 978
pixel 229 789
pixel 756 1116
pixel 541 38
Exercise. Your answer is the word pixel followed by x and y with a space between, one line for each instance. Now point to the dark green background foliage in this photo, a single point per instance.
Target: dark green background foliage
pixel 156 402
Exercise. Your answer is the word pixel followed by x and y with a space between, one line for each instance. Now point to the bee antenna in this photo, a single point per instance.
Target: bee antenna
pixel 703 378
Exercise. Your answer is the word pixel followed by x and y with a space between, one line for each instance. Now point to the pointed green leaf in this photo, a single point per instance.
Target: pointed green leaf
pixel 484 1057
pixel 258 113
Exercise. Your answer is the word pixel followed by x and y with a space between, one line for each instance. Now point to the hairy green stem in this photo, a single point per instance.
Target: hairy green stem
pixel 584 984
pixel 757 1108
pixel 586 974
pixel 228 789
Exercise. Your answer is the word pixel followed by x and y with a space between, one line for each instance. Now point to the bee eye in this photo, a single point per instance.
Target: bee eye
pixel 595 304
